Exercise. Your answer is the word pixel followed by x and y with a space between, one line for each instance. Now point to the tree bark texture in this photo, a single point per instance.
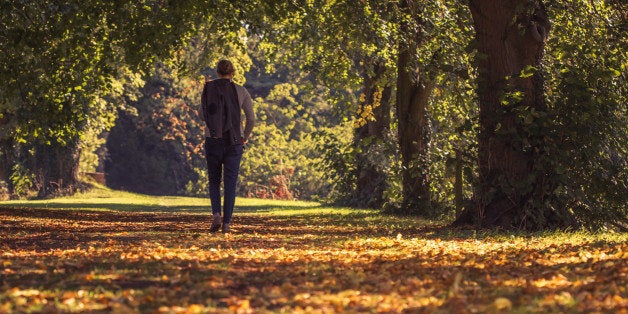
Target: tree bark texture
pixel 413 92
pixel 369 141
pixel 7 161
pixel 458 192
pixel 57 167
pixel 512 190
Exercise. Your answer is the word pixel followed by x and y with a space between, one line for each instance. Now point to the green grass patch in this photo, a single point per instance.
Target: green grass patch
pixel 102 198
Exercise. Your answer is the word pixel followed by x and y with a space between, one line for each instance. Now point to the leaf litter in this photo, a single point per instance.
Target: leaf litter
pixel 67 261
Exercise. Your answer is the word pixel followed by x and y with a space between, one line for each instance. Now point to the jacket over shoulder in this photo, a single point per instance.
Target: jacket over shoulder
pixel 221 110
pixel 222 103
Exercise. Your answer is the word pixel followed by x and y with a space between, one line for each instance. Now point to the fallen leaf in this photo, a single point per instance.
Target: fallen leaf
pixel 502 304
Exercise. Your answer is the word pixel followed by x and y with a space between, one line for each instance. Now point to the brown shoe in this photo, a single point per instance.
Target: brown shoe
pixel 226 228
pixel 215 224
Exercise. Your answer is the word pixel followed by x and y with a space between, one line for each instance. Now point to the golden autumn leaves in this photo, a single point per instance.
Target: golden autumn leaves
pixel 303 262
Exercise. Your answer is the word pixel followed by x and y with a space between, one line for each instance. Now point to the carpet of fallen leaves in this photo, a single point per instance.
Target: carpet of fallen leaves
pixel 121 262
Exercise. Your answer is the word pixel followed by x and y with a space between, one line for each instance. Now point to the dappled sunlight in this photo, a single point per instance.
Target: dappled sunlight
pixel 302 261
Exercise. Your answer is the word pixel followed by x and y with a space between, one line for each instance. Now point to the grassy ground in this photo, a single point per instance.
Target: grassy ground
pixel 109 251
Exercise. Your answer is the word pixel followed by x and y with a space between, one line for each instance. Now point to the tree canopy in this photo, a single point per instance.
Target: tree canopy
pixel 434 108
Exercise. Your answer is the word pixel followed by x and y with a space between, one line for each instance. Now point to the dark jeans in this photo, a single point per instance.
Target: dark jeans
pixel 222 157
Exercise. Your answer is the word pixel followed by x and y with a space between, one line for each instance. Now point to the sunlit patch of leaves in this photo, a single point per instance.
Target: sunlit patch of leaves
pixel 57 260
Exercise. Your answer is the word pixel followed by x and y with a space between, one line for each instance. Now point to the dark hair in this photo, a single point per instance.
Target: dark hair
pixel 225 67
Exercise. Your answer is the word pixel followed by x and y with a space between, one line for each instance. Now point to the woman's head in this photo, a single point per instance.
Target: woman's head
pixel 225 68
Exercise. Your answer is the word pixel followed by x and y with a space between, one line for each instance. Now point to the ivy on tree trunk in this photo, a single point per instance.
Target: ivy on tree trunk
pixel 413 92
pixel 369 141
pixel 516 177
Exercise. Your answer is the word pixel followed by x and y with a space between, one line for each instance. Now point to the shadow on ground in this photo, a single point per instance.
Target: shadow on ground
pixel 152 208
pixel 247 220
pixel 137 261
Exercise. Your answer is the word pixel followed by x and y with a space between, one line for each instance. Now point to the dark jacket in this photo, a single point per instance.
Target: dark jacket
pixel 221 110
pixel 217 116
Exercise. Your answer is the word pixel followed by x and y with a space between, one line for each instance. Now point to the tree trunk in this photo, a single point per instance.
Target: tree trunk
pixel 413 92
pixel 514 184
pixel 458 192
pixel 369 141
pixel 57 167
pixel 7 161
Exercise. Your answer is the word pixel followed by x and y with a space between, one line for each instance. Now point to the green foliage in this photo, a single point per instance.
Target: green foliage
pixel 64 63
pixel 282 160
pixel 453 109
pixel 61 63
pixel 453 143
pixel 91 141
pixel 338 161
pixel 370 41
pixel 23 180
pixel 199 185
pixel 155 148
pixel 588 97
pixel 307 40
pixel 576 147
pixel 70 67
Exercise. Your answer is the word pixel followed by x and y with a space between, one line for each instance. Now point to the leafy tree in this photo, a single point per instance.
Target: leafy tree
pixel 63 59
pixel 588 96
pixel 551 116
pixel 381 39
pixel 426 34
pixel 287 122
pixel 517 179
pixel 552 159
pixel 58 78
pixel 157 148
pixel 154 148
pixel 309 38
pixel 413 91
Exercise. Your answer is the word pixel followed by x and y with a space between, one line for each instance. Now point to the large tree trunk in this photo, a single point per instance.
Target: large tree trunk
pixel 369 141
pixel 413 92
pixel 515 183
pixel 57 167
